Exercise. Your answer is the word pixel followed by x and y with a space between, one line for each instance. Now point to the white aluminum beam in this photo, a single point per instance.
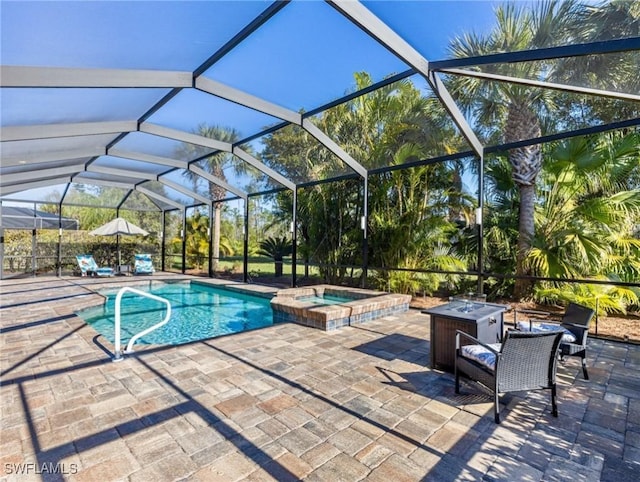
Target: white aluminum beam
pixel 160 197
pixel 48 131
pixel 378 30
pixel 6 190
pixel 113 171
pixel 312 129
pixel 178 135
pixel 249 159
pixel 214 144
pixel 450 105
pixel 140 156
pixel 184 190
pixel 261 105
pixel 41 174
pixel 546 85
pixel 51 156
pixel 19 76
pixel 142 176
pixel 247 100
pixel 103 182
pixel 367 21
pixel 218 182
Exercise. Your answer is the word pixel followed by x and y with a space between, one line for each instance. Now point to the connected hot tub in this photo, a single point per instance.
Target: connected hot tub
pixel 330 307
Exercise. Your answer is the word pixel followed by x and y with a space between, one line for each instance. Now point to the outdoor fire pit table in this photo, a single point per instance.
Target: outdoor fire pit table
pixel 483 321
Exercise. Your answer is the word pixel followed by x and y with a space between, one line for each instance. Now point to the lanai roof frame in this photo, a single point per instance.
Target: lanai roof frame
pixel 175 80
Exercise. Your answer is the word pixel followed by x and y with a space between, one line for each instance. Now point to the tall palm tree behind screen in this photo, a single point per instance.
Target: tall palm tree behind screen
pixel 515 112
pixel 215 164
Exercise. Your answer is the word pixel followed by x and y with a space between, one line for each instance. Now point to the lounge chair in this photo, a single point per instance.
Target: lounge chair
pixel 89 267
pixel 143 264
pixel 574 324
pixel 523 361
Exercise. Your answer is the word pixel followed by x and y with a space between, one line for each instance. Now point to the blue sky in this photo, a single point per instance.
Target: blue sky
pixel 303 57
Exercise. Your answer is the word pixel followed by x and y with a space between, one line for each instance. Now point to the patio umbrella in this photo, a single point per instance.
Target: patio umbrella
pixel 116 227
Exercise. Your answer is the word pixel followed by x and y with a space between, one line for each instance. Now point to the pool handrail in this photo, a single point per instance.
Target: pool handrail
pixel 129 348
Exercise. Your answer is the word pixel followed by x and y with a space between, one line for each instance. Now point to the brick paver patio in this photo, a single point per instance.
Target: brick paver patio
pixel 287 403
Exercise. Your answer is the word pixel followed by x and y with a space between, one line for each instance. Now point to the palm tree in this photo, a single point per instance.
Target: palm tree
pixel 501 226
pixel 215 164
pixel 392 125
pixel 198 242
pixel 587 221
pixel 410 227
pixel 517 110
pixel 588 209
pixel 276 248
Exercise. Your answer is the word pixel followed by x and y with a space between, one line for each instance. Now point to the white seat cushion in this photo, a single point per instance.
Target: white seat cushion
pixel 480 354
pixel 538 327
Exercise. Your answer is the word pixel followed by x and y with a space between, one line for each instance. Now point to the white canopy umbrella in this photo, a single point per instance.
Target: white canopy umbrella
pixel 116 227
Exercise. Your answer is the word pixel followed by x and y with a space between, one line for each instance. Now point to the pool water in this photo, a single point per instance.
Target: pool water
pixel 198 312
pixel 326 299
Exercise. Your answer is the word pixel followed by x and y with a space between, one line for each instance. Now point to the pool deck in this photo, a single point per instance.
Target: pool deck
pixel 289 402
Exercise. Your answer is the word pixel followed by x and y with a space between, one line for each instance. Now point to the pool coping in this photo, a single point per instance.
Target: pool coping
pixel 263 291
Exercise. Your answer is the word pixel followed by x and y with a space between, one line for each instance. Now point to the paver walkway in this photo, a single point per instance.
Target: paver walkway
pixel 289 403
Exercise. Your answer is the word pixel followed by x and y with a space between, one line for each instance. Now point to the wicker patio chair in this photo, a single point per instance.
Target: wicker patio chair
pixel 523 361
pixel 575 324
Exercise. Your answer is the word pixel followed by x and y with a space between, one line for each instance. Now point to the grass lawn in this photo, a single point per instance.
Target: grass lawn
pixel 258 266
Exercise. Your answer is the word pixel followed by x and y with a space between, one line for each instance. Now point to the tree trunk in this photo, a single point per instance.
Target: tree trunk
pixel 216 235
pixel 526 163
pixel 526 231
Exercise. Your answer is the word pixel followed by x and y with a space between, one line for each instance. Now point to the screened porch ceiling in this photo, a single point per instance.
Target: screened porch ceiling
pixel 115 94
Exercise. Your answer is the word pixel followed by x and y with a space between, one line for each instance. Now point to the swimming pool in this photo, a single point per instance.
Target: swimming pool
pixel 198 312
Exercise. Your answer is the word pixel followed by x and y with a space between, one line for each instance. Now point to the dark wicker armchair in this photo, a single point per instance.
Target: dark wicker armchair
pixel 523 361
pixel 575 323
